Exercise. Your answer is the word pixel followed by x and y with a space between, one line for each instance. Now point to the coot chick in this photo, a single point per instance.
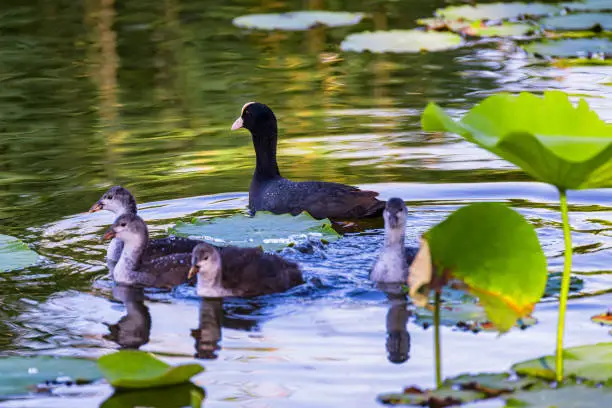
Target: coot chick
pixel 134 268
pixel 269 191
pixel 392 264
pixel 119 201
pixel 241 272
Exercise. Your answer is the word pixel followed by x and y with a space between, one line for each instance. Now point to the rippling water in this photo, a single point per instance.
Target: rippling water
pixel 142 94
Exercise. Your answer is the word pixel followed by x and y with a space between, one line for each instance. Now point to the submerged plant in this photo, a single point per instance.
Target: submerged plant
pixel 552 140
pixel 488 250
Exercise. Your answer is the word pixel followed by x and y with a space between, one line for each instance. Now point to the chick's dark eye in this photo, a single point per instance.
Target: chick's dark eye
pixel 205 258
pixel 123 224
pixel 110 197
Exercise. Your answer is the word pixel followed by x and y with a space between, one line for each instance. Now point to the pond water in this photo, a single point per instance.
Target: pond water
pixel 143 93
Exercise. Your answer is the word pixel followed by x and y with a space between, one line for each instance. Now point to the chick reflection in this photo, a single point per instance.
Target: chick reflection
pixel 398 338
pixel 133 329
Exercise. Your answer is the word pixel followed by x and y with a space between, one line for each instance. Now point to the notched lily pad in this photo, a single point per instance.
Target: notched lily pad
pixel 298 20
pixel 19 375
pixel 592 362
pixel 605 319
pixel 401 41
pixel 577 22
pixel 14 254
pixel 265 229
pixel 571 396
pixel 496 11
pixel 587 50
pixel 138 369
pixel 479 28
pixel 471 246
pixel 430 398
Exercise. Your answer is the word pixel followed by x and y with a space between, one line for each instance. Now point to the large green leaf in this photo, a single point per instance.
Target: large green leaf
pixel 571 396
pixel 496 11
pixel 176 396
pixel 547 136
pixel 592 362
pixel 14 254
pixel 19 375
pixel 493 251
pixel 297 20
pixel 265 229
pixel 138 369
pixel 401 41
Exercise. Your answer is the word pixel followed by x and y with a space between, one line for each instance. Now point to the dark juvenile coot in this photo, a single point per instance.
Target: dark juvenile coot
pixel 394 259
pixel 269 191
pixel 237 271
pixel 119 201
pixel 134 268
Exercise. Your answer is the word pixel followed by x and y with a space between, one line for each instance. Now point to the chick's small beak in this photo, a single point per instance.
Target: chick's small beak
pixel 237 124
pixel 96 207
pixel 109 234
pixel 193 271
pixel 393 220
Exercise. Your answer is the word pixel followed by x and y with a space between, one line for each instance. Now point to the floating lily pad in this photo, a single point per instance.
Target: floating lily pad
pixel 478 28
pixel 603 319
pixel 548 137
pixel 138 369
pixel 176 396
pixel 401 41
pixel 297 20
pixel 553 284
pixel 14 254
pixel 265 229
pixel 19 375
pixel 496 11
pixel 579 22
pixel 588 5
pixel 471 246
pixel 583 48
pixel 491 384
pixel 430 398
pixel 571 396
pixel 592 362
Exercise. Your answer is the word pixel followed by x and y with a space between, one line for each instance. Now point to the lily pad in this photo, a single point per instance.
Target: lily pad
pixel 548 137
pixel 138 369
pixel 401 41
pixel 297 20
pixel 588 5
pixel 478 28
pixel 471 246
pixel 176 396
pixel 571 396
pixel 582 48
pixel 605 319
pixel 579 22
pixel 265 229
pixel 496 11
pixel 430 398
pixel 592 362
pixel 19 375
pixel 491 384
pixel 14 254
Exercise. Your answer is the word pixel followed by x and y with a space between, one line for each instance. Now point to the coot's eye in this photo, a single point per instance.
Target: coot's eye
pixel 123 224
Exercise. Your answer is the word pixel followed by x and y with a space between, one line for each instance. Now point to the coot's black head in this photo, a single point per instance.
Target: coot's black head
pixel 118 200
pixel 395 213
pixel 257 118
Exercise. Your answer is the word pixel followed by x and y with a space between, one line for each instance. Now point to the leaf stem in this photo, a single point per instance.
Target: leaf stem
pixel 438 359
pixel 565 284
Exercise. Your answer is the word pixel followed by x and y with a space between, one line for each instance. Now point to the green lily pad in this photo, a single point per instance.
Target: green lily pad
pixel 297 20
pixel 571 396
pixel 491 384
pixel 595 49
pixel 496 11
pixel 138 369
pixel 265 229
pixel 477 28
pixel 472 246
pixel 430 398
pixel 605 319
pixel 19 375
pixel 176 396
pixel 588 5
pixel 579 22
pixel 553 284
pixel 592 362
pixel 14 254
pixel 547 136
pixel 401 41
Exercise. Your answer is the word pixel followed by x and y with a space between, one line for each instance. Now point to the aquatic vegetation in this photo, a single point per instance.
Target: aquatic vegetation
pixel 605 319
pixel 14 254
pixel 270 231
pixel 496 11
pixel 181 395
pixel 575 51
pixel 19 375
pixel 133 369
pixel 297 20
pixel 401 41
pixel 579 22
pixel 479 28
pixel 551 140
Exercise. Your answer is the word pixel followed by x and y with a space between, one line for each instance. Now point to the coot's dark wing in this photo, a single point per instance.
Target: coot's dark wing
pixel 169 271
pixel 411 253
pixel 169 245
pixel 320 199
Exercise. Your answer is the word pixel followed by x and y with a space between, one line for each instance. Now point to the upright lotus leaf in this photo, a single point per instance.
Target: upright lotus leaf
pixel 494 252
pixel 548 137
pixel 138 369
pixel 14 254
pixel 591 362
